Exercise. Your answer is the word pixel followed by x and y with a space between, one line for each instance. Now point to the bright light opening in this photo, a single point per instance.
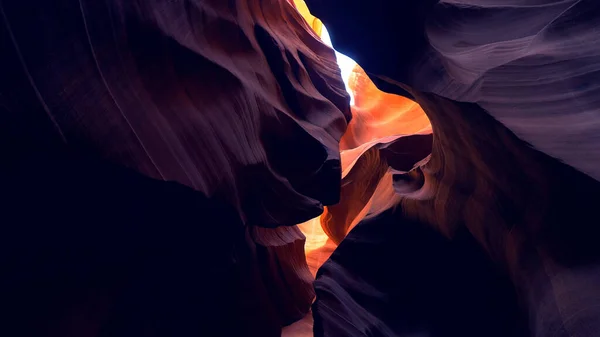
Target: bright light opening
pixel 345 63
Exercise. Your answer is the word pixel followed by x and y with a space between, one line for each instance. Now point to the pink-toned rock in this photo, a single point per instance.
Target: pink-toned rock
pixel 231 104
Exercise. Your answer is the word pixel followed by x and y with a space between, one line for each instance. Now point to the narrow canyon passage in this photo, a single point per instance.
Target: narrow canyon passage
pixel 378 119
pixel 217 168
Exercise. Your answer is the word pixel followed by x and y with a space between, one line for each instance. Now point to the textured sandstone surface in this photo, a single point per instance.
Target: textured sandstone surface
pixel 158 156
pixel 487 91
pixel 234 108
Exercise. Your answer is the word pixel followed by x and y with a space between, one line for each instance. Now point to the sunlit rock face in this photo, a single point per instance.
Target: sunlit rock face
pixel 378 120
pixel 504 84
pixel 376 114
pixel 388 133
pixel 237 104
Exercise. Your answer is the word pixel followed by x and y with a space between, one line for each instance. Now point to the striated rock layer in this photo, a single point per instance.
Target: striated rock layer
pixel 157 155
pixel 505 212
pixel 204 93
pixel 237 104
pixel 530 64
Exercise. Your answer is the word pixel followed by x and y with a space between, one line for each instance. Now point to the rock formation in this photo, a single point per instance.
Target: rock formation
pixel 158 156
pixel 238 101
pixel 486 90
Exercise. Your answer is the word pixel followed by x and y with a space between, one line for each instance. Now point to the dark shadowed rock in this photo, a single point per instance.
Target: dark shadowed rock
pixel 504 86
pixel 234 103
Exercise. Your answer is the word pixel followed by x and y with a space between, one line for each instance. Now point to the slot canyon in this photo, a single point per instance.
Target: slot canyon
pixel 300 168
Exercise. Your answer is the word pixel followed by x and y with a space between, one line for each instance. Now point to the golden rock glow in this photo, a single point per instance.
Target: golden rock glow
pixel 315 236
pixel 312 21
pixel 376 114
pixel 377 117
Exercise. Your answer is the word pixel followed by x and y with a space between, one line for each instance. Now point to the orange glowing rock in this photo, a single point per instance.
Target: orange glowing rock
pixel 377 118
pixel 312 21
pixel 376 114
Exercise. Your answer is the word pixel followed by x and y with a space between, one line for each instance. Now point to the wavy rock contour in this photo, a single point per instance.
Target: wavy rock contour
pixel 504 105
pixel 234 108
